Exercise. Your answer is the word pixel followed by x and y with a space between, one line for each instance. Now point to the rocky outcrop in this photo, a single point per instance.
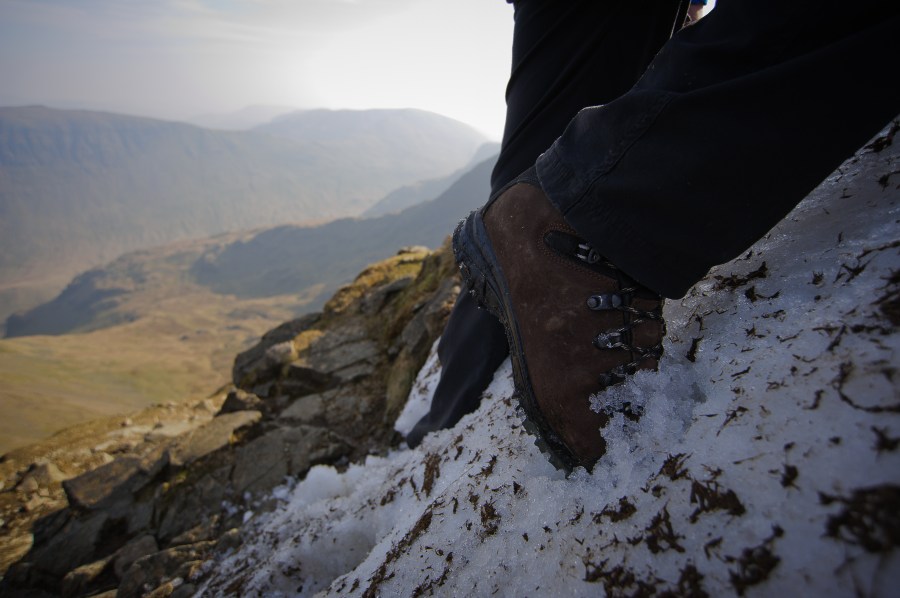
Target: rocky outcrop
pixel 134 506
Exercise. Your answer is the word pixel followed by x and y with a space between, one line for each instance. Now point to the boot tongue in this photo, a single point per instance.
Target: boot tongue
pixel 578 251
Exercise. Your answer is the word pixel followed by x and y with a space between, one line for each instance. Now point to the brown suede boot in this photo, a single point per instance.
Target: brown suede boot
pixel 575 323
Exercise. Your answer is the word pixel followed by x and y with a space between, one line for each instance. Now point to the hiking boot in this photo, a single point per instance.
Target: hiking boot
pixel 575 323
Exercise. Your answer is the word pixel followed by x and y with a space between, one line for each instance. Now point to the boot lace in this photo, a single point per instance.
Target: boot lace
pixel 620 338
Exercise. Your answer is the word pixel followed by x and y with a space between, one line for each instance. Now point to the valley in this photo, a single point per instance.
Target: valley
pixel 80 188
pixel 162 325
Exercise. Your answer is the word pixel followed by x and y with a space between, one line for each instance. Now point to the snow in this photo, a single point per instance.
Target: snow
pixel 419 401
pixel 765 461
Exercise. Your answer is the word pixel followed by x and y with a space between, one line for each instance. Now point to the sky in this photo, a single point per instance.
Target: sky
pixel 179 59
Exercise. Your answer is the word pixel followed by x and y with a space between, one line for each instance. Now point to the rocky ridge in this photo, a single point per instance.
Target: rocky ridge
pixel 134 506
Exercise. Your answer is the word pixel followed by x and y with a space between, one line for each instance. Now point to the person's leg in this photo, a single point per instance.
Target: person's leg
pixel 566 55
pixel 739 117
pixel 736 120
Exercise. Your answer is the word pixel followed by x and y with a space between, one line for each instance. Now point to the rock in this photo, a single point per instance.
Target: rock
pixel 210 437
pixel 356 372
pixel 163 591
pixel 28 485
pixel 138 515
pixel 184 591
pixel 413 345
pixel 301 380
pixel 34 503
pixel 134 550
pixel 97 487
pixel 230 540
pixel 77 581
pixel 14 547
pixel 256 363
pixel 72 546
pixel 330 355
pixel 413 249
pixel 341 355
pixel 374 301
pixel 239 400
pixel 263 463
pixel 305 410
pixel 44 474
pixel 203 532
pixel 149 572
pixel 188 570
pixel 192 503
pixel 115 481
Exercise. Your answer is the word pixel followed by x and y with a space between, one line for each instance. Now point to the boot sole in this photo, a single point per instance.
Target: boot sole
pixel 484 279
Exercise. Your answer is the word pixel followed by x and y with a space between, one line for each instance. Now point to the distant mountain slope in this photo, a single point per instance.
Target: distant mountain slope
pixel 287 260
pixel 423 191
pixel 80 188
pixel 240 120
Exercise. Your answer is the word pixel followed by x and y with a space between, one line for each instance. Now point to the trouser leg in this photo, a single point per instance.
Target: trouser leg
pixel 471 348
pixel 736 120
pixel 572 54
pixel 566 55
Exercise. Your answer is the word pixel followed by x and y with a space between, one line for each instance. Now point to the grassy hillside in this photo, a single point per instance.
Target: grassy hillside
pixel 179 348
pixel 79 188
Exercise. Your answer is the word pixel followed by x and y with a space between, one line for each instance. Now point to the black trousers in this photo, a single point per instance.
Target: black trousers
pixel 566 55
pixel 735 121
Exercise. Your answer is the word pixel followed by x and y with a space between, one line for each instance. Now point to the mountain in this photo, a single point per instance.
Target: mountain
pixel 241 120
pixel 79 188
pixel 287 260
pixel 422 191
pixel 765 460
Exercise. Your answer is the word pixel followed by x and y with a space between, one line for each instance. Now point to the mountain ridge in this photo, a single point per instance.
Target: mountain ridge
pixel 252 265
pixel 79 188
pixel 764 460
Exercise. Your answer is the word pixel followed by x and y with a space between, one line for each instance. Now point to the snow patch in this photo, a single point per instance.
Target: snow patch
pixel 766 460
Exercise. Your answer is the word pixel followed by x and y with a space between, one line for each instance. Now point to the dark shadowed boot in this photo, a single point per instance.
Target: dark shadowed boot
pixel 575 323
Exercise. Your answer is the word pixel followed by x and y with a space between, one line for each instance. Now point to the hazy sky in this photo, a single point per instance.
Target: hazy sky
pixel 182 58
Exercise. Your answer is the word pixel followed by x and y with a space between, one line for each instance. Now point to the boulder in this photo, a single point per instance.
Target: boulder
pixel 258 362
pixel 206 530
pixel 239 400
pixel 115 481
pixel 191 503
pixel 342 348
pixel 151 571
pixel 77 581
pixel 134 550
pixel 375 300
pixel 300 380
pixel 43 474
pixel 74 545
pixel 305 410
pixel 265 462
pixel 210 437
